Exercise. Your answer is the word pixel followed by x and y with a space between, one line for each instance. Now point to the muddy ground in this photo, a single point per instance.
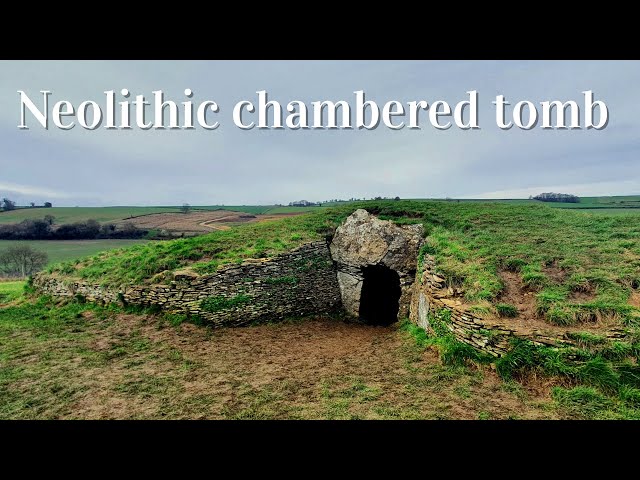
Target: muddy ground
pixel 129 366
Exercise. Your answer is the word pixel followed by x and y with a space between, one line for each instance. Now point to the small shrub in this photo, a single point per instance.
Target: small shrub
pixel 514 264
pixel 629 374
pixel 456 353
pixel 581 401
pixel 506 310
pixel 598 372
pixel 532 277
pixel 521 357
pixel 586 339
pixel 560 316
pixel 630 396
pixel 175 320
pixel 452 351
pixel 419 334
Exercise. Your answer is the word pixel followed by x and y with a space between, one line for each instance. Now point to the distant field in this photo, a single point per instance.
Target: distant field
pixel 10 291
pixel 629 203
pixel 632 202
pixel 81 214
pixel 116 214
pixel 254 209
pixel 259 209
pixel 65 250
pixel 611 204
pixel 612 211
pixel 277 210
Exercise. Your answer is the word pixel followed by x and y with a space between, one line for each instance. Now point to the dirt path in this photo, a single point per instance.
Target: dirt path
pixel 133 367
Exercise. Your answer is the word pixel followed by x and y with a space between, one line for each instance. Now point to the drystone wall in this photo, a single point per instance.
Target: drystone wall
pixel 296 283
pixel 431 294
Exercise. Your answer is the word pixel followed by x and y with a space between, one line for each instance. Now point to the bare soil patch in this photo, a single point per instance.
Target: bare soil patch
pixel 518 295
pixel 582 296
pixel 555 273
pixel 634 299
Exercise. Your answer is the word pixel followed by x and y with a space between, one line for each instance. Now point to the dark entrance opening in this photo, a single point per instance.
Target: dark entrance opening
pixel 380 297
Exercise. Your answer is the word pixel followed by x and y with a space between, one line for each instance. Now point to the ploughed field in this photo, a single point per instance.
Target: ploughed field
pixel 197 222
pixel 117 214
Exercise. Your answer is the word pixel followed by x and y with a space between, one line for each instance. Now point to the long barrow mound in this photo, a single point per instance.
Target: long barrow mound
pixel 501 271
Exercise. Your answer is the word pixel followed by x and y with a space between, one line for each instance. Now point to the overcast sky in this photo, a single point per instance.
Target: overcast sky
pixel 232 166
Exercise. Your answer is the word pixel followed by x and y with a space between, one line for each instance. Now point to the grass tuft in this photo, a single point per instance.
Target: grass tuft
pixel 506 310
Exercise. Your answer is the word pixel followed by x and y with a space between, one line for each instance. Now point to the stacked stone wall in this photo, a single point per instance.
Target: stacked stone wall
pixel 431 293
pixel 297 283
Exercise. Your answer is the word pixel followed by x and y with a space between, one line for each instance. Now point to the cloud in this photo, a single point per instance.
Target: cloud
pixel 625 187
pixel 32 190
pixel 232 166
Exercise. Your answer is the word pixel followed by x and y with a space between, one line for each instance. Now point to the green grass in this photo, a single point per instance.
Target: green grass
pixel 558 252
pixel 452 352
pixel 85 361
pixel 81 214
pixel 72 360
pixel 10 291
pixel 217 304
pixel 277 210
pixel 603 376
pixel 69 250
pixel 612 203
pixel 616 202
pixel 204 254
pixel 613 211
pixel 260 209
pixel 506 310
pixel 253 209
pixel 607 205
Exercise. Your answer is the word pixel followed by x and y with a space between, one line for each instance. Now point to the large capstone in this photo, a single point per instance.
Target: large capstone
pixel 376 261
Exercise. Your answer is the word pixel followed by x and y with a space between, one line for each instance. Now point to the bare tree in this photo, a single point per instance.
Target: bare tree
pixel 186 208
pixel 8 204
pixel 22 260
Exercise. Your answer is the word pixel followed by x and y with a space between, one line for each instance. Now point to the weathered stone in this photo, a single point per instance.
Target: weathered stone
pixel 466 325
pixel 314 291
pixel 350 289
pixel 364 240
pixel 423 311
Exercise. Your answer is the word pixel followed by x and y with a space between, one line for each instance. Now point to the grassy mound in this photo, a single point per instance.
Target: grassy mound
pixel 203 254
pixel 581 267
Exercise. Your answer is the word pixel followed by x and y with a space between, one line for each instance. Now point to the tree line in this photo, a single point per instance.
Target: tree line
pixel 556 197
pixel 7 205
pixel 21 261
pixel 89 230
